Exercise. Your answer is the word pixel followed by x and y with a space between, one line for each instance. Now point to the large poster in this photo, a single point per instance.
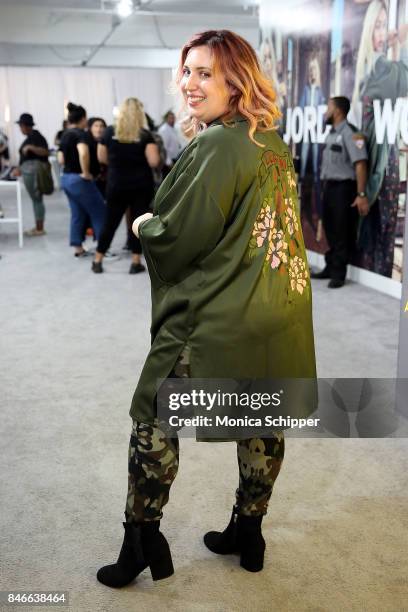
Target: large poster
pixel 316 49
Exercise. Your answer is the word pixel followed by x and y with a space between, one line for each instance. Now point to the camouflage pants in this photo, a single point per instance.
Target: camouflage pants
pixel 154 458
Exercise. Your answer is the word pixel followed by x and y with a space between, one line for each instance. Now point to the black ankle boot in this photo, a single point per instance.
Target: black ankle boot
pixel 243 535
pixel 143 546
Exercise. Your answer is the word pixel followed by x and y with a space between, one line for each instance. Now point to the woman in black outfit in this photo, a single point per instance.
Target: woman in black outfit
pixel 96 129
pixel 130 152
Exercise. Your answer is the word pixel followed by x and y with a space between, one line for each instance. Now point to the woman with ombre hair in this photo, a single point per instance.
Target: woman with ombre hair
pixel 231 296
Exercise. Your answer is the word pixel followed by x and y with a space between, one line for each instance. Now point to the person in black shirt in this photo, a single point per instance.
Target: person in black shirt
pixel 130 152
pixel 96 128
pixel 33 151
pixel 84 198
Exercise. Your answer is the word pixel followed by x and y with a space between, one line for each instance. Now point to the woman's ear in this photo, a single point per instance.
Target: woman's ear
pixel 233 90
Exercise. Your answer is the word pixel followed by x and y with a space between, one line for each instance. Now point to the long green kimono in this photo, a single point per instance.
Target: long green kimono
pixel 229 275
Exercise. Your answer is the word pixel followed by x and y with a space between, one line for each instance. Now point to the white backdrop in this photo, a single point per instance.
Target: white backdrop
pixel 44 92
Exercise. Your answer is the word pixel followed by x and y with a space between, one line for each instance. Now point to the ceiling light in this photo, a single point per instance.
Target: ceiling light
pixel 125 8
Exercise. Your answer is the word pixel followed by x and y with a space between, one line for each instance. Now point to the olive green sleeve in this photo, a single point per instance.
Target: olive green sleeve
pixel 191 215
pixel 175 240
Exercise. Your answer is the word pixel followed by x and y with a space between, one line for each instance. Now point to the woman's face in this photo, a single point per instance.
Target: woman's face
pixel 97 129
pixel 206 95
pixel 380 32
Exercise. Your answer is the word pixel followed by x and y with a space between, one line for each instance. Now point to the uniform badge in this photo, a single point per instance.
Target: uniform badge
pixel 359 140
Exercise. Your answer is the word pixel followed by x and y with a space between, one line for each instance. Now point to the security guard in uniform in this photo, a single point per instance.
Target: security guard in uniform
pixel 344 176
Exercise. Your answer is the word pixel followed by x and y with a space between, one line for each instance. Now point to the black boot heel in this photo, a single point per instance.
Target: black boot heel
pixel 251 542
pixel 252 560
pixel 162 567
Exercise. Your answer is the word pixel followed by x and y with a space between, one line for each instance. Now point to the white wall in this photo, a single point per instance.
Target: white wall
pixel 44 92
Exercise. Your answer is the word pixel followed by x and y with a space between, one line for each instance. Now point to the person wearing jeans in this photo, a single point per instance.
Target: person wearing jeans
pixel 85 199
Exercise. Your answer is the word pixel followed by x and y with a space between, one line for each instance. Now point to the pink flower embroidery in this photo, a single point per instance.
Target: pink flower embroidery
pixel 277 248
pixel 291 221
pixel 263 224
pixel 298 274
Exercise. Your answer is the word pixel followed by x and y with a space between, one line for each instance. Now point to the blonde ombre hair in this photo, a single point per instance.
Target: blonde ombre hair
pixel 130 121
pixel 236 60
pixel 366 53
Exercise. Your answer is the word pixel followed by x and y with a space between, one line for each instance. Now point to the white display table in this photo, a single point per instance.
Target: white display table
pixel 19 219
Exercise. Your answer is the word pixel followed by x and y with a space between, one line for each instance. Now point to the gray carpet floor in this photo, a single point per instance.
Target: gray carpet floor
pixel 72 346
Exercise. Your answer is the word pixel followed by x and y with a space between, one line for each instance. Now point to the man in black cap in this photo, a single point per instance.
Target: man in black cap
pixel 33 150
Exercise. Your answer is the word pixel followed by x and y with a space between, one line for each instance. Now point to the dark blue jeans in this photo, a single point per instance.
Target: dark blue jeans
pixel 85 200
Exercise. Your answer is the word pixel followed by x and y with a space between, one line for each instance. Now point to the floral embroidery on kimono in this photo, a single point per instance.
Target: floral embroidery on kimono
pixel 277 233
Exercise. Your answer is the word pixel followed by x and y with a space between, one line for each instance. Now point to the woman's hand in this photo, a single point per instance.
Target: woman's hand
pixel 138 221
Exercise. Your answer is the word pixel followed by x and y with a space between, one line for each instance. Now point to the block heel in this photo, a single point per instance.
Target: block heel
pixel 162 567
pixel 253 560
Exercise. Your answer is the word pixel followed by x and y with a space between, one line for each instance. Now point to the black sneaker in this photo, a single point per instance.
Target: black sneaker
pixel 97 267
pixel 335 283
pixel 135 268
pixel 83 253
